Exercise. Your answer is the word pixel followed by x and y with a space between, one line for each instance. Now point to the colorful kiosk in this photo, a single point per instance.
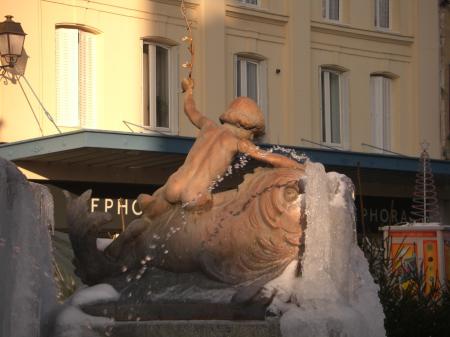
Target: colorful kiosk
pixel 425 246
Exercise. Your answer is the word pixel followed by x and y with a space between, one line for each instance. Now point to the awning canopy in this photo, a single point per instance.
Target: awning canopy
pixel 100 156
pixel 138 158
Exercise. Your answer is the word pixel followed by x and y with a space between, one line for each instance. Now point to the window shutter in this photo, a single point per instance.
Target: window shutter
pixel 326 114
pixel 335 108
pixel 152 83
pixel 162 88
pixel 238 80
pixel 376 111
pixel 381 111
pixel 173 88
pixel 67 77
pixel 345 106
pixel 87 80
pixel 145 85
pixel 386 113
pixel 263 92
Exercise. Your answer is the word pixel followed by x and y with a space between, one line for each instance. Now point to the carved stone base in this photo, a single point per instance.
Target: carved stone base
pixel 178 311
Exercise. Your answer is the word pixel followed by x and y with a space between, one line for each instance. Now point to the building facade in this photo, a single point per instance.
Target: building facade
pixel 357 77
pixel 341 73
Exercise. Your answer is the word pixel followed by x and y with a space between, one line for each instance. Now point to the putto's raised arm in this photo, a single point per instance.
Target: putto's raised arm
pixel 195 116
pixel 274 159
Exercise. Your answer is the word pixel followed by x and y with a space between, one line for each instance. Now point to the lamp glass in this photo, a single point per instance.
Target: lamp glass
pixel 16 44
pixel 4 45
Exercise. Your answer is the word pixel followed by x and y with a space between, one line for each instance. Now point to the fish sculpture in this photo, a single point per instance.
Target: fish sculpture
pixel 249 234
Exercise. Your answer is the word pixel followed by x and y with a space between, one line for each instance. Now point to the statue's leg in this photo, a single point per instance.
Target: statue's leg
pixel 144 201
pixel 196 196
pixel 153 205
pixel 155 208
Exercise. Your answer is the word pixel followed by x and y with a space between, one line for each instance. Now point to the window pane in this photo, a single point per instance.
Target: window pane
pixel 324 107
pixel 238 78
pixel 335 112
pixel 146 87
pixel 252 81
pixel 384 13
pixel 333 9
pixel 162 87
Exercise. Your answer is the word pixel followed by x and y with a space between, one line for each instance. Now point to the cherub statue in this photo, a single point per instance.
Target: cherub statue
pixel 213 151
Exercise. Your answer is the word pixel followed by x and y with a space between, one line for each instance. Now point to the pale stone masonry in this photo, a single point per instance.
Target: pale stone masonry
pixel 314 77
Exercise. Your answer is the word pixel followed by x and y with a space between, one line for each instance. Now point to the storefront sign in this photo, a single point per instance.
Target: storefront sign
pixel 115 206
pixel 379 211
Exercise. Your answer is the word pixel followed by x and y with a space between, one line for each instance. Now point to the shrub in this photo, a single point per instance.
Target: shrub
pixel 410 308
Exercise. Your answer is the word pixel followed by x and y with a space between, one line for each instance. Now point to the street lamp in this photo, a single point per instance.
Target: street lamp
pixel 12 37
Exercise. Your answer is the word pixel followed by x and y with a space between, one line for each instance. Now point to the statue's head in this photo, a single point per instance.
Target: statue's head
pixel 245 113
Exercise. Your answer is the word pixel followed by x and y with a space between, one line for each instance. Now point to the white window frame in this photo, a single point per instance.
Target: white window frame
pixel 172 52
pixel 261 81
pixel 243 78
pixel 325 108
pixel 326 10
pixel 381 111
pixel 76 77
pixel 378 15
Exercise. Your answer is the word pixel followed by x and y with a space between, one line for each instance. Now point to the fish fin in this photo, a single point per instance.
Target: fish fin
pixel 214 269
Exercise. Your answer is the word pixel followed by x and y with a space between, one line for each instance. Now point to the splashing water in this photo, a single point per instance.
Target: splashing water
pixel 336 295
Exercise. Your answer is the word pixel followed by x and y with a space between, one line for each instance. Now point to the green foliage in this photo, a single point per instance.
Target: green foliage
pixel 410 309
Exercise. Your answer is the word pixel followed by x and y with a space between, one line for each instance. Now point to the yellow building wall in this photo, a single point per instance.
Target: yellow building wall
pixel 292 37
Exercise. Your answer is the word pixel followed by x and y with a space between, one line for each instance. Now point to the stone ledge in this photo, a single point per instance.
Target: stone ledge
pixel 268 328
pixel 178 311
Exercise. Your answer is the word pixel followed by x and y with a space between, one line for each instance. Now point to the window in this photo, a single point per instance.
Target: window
pixel 159 87
pixel 334 107
pixel 247 78
pixel 382 13
pixel 331 9
pixel 76 81
pixel 250 80
pixel 380 117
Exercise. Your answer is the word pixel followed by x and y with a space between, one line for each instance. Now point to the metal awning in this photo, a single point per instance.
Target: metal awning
pixel 123 157
pixel 100 156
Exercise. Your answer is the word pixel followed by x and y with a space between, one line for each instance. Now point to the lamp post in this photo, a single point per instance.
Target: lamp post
pixel 12 37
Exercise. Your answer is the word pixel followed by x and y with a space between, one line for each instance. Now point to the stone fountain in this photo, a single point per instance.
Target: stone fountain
pixel 276 255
